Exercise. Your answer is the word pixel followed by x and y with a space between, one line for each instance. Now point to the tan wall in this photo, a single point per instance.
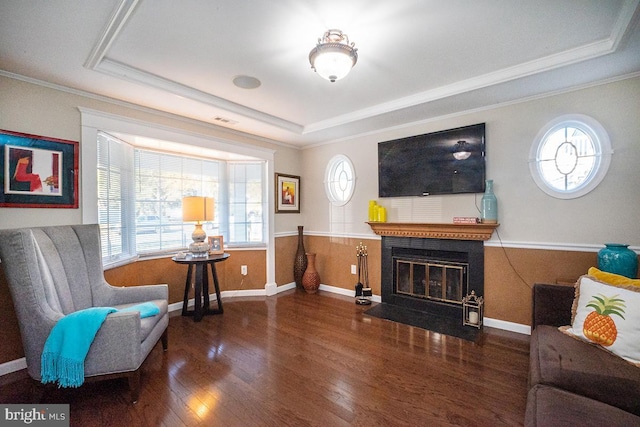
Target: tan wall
pixel 509 272
pixel 161 270
pixel 336 255
pixel 509 275
pixel 285 248
pixel 508 282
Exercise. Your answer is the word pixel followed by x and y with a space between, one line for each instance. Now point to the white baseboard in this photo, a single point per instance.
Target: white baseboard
pixel 271 289
pixel 347 292
pixel 507 326
pixel 18 364
pixel 13 366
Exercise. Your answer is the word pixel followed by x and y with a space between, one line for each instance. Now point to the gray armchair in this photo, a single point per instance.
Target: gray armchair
pixel 54 271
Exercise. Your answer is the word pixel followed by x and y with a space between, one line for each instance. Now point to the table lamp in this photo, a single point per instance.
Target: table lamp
pixel 197 208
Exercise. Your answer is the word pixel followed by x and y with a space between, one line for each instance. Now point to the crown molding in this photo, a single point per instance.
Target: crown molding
pixel 131 74
pixel 99 62
pixel 629 14
pixel 116 23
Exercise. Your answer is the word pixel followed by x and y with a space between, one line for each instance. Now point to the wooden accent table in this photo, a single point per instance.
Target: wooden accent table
pixel 201 285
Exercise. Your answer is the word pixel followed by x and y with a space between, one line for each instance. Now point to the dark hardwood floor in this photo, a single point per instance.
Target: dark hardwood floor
pixel 307 360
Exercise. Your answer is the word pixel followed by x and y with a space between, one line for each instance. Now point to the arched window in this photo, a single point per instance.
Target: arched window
pixel 570 156
pixel 340 180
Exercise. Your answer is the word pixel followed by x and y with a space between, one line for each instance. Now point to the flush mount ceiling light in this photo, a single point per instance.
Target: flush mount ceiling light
pixel 333 57
pixel 462 150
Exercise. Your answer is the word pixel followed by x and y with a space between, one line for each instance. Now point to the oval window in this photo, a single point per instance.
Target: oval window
pixel 340 180
pixel 570 156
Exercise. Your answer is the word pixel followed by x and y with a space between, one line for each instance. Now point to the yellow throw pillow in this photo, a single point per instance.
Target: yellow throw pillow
pixel 611 278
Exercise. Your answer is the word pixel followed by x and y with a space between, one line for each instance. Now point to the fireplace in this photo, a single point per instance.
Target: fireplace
pixel 427 269
pixel 429 278
pixel 431 275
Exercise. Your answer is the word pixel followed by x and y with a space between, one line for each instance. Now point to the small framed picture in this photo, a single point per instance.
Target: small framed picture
pixel 216 245
pixel 287 193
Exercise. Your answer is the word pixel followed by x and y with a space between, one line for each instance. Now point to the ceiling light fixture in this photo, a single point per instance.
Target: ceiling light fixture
pixel 333 57
pixel 462 150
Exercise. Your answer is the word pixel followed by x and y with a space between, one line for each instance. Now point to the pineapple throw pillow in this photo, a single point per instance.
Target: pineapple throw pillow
pixel 607 315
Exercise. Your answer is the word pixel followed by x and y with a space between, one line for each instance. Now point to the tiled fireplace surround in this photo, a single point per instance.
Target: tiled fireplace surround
pixel 448 244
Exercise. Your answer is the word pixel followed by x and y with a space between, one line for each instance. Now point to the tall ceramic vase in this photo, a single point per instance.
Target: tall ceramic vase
pixel 300 261
pixel 489 204
pixel 618 259
pixel 311 278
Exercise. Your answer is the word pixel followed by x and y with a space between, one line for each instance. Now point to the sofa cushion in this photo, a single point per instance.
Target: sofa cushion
pixel 562 361
pixel 549 406
pixel 608 315
pixel 148 323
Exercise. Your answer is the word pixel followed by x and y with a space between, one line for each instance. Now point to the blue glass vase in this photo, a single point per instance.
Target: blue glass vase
pixel 489 205
pixel 619 259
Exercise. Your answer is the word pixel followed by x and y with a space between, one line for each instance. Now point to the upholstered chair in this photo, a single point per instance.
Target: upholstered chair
pixel 55 271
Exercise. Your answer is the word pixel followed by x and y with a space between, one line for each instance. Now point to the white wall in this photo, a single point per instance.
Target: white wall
pixel 41 110
pixel 527 215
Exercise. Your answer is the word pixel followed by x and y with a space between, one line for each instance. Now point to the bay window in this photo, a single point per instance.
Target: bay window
pixel 140 193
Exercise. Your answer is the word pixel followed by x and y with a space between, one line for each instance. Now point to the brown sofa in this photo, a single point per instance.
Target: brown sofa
pixel 572 382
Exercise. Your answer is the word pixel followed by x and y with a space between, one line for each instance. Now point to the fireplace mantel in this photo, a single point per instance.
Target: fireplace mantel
pixel 480 231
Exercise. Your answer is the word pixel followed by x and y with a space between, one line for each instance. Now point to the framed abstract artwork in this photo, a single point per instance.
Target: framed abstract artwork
pixel 287 193
pixel 38 171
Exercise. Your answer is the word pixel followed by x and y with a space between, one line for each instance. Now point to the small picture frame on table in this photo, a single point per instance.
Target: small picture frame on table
pixel 287 193
pixel 216 245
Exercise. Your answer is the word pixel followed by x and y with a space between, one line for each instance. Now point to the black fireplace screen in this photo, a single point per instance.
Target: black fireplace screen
pixel 435 280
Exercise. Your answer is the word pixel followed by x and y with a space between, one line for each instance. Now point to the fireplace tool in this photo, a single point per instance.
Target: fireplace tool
pixel 363 291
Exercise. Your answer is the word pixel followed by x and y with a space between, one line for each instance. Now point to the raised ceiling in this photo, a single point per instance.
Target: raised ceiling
pixel 418 59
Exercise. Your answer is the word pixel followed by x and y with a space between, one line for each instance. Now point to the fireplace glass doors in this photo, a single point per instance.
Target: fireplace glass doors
pixel 432 279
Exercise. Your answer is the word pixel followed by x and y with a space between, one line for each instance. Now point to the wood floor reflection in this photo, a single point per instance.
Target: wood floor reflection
pixel 307 360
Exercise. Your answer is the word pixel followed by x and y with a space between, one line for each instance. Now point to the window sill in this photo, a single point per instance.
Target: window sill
pixel 148 257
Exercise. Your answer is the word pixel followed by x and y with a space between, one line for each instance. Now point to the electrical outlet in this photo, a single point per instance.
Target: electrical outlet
pixel 353 269
pixel 243 270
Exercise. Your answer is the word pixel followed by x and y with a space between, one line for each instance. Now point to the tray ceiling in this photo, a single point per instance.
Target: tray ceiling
pixel 418 60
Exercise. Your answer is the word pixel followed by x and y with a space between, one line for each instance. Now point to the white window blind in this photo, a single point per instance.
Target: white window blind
pixel 148 199
pixel 115 194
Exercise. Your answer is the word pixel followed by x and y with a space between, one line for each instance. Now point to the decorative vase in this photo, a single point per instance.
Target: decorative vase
pixel 311 278
pixel 300 261
pixel 619 259
pixel 489 205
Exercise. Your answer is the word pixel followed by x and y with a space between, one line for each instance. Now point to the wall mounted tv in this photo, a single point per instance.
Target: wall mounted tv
pixel 423 165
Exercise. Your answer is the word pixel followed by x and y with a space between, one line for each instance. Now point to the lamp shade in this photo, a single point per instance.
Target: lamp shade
pixel 197 208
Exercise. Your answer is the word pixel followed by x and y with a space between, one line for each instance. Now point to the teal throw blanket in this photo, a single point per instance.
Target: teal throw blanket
pixel 69 341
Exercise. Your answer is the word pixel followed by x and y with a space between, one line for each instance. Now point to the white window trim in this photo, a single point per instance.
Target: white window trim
pixel 603 152
pixel 92 121
pixel 328 179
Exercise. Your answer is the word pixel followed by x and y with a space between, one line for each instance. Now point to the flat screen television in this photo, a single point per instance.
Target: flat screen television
pixel 423 165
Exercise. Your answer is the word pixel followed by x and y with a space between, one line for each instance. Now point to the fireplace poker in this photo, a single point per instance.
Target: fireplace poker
pixel 363 291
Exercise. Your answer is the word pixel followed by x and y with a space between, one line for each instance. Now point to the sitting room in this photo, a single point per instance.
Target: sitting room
pixel 320 213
